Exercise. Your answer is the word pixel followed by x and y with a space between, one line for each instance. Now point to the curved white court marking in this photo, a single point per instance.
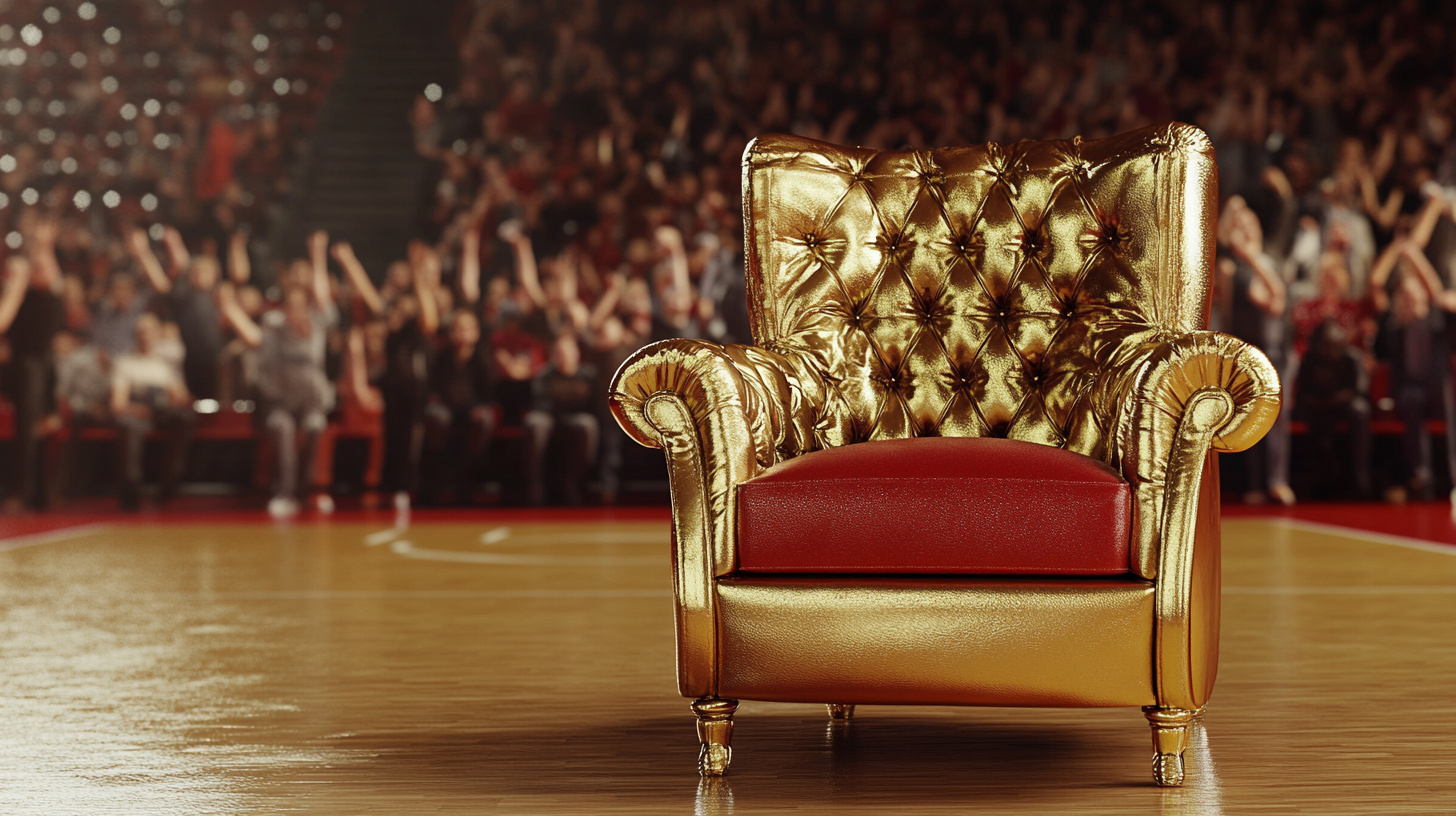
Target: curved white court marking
pixel 537 538
pixel 409 550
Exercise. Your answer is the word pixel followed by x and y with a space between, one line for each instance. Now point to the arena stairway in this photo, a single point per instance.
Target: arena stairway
pixel 362 180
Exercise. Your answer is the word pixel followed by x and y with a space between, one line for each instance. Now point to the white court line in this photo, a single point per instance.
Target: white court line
pixel 1340 590
pixel 495 536
pixel 382 537
pixel 52 536
pixel 1357 534
pixel 409 550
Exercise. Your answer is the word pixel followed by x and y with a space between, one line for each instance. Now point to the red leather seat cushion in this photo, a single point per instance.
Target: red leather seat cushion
pixel 937 505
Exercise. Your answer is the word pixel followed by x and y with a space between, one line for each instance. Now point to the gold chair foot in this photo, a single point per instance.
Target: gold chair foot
pixel 1170 738
pixel 841 711
pixel 715 733
pixel 1167 770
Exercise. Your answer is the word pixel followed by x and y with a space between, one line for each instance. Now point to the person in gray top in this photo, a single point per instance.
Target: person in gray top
pixel 295 388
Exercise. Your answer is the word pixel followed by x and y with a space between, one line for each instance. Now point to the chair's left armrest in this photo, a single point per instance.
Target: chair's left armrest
pixel 1173 403
pixel 1199 391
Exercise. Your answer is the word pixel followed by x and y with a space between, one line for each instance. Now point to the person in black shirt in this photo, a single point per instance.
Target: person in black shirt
pixel 31 314
pixel 412 320
pixel 1332 389
pixel 460 419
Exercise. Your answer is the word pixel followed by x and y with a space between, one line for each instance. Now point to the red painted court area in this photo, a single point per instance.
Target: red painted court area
pixel 1428 521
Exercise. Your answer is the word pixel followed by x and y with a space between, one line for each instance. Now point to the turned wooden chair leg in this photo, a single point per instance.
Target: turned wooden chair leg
pixel 1170 738
pixel 715 733
pixel 841 711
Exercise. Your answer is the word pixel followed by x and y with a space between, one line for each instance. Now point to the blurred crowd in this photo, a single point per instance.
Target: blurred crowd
pixel 585 201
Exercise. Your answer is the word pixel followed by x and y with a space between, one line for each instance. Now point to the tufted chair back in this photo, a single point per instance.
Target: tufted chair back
pixel 975 291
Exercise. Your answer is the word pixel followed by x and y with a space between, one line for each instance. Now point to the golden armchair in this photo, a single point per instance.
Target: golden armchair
pixel 926 320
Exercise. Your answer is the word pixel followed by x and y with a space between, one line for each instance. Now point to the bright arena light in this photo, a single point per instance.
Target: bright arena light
pixel 81 199
pixel 30 35
pixel 280 86
pixel 13 240
pixel 112 35
pixel 149 203
pixel 236 87
pixel 112 199
pixel 29 196
pixel 109 84
pixel 260 42
pixel 51 15
pixel 7 163
pixel 152 107
pixel 434 92
pixel 156 231
pixel 87 11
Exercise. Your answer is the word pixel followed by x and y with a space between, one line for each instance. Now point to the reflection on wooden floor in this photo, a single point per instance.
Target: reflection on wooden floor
pixel 478 668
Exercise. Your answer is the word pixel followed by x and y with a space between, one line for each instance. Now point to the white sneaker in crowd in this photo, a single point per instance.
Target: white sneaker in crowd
pixel 282 507
pixel 324 504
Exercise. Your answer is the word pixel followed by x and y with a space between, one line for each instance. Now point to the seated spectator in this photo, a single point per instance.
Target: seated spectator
pixel 293 384
pixel 564 406
pixel 31 314
pixel 83 380
pixel 147 393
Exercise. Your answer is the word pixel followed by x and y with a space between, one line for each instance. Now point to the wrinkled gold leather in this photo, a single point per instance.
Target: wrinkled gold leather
pixel 1053 292
pixel 947 641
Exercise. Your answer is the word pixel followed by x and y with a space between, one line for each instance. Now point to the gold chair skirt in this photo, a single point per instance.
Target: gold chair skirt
pixel 1069 642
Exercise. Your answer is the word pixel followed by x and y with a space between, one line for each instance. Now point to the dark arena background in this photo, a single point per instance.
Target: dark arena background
pixel 313 500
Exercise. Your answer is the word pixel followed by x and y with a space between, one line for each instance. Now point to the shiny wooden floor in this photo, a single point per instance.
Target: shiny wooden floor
pixel 479 666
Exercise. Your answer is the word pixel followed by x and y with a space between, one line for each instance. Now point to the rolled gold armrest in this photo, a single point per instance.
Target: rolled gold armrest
pixel 719 414
pixel 1178 403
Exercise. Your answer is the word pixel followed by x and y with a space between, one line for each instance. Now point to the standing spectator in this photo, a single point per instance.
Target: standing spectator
pixel 147 393
pixel 31 314
pixel 412 320
pixel 1256 316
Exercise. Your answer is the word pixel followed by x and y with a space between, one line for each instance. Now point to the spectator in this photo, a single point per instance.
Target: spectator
pixel 1332 388
pixel 295 388
pixel 564 400
pixel 31 314
pixel 147 393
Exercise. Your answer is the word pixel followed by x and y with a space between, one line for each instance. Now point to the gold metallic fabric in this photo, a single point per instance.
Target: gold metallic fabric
pixel 986 641
pixel 1052 292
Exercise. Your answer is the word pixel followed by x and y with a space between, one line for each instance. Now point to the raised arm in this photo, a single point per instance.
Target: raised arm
pixel 607 303
pixel 1436 206
pixel 358 373
pixel 141 251
pixel 318 256
pixel 425 266
pixel 363 287
pixel 671 240
pixel 240 268
pixel 17 280
pixel 1267 289
pixel 470 264
pixel 246 328
pixel 178 258
pixel 526 272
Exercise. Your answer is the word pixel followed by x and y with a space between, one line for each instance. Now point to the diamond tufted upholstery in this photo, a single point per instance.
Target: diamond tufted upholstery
pixel 1053 293
pixel 975 291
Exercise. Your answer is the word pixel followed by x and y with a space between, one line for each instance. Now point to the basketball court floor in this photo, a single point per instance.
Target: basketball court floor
pixel 517 663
